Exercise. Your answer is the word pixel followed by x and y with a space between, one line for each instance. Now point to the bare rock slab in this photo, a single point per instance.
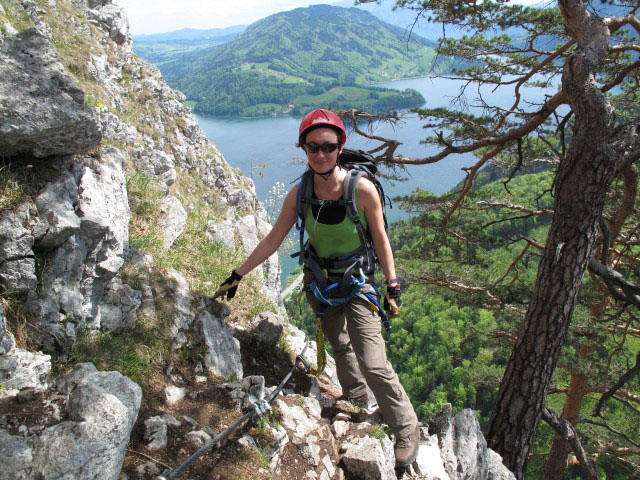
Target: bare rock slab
pixel 42 110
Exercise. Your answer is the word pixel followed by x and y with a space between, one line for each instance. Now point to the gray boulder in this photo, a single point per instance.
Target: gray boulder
pixel 223 350
pixel 174 220
pixel 222 233
pixel 183 316
pixel 267 327
pixel 17 456
pixel 69 381
pixel 156 430
pixel 92 443
pixel 42 109
pixel 370 458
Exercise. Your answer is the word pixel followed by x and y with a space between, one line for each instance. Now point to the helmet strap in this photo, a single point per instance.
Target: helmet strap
pixel 325 176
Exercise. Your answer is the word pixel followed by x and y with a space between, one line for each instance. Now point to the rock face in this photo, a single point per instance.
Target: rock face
pixel 90 444
pixel 42 110
pixel 87 214
pixel 17 262
pixel 464 449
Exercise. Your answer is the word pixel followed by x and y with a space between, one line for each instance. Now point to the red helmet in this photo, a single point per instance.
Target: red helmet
pixel 321 117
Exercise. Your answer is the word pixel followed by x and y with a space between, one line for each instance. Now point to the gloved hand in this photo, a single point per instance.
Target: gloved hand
pixel 392 301
pixel 229 286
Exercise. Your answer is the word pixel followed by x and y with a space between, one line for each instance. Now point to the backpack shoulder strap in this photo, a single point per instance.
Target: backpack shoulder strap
pixel 349 194
pixel 303 199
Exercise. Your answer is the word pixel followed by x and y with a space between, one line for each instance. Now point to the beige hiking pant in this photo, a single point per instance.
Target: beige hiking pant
pixel 354 331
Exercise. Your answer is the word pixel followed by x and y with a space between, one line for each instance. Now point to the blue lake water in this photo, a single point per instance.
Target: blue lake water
pixel 246 143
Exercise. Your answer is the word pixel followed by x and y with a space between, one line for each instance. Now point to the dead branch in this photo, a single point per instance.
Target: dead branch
pixel 622 289
pixel 513 265
pixel 611 429
pixel 468 182
pixel 569 433
pixel 624 378
pixel 150 458
pixel 512 206
pixel 459 287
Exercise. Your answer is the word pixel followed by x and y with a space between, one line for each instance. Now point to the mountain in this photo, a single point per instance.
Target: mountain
pixel 189 34
pixel 320 55
pixel 165 47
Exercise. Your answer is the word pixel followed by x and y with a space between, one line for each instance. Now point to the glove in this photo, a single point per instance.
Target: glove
pixel 229 286
pixel 392 302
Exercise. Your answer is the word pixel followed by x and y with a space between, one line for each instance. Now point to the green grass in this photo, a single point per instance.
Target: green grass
pixel 12 190
pixel 376 431
pixel 15 15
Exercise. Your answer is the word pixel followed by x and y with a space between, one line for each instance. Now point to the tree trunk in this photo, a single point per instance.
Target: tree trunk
pixel 580 190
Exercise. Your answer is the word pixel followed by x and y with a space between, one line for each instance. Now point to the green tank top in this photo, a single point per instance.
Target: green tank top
pixel 339 239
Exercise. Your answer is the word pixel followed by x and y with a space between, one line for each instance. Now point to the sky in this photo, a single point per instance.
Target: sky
pixel 159 16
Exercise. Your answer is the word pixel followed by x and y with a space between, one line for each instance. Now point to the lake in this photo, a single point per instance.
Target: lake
pixel 246 143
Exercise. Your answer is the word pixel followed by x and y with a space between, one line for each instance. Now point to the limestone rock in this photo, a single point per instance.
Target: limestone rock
pixel 370 458
pixel 183 316
pixel 222 233
pixel 156 428
pixel 198 438
pixel 17 456
pixel 120 302
pixel 223 350
pixel 56 204
pixel 83 267
pixel 112 19
pixel 42 109
pixel 91 444
pixel 248 390
pixel 267 327
pixel 429 462
pixel 463 448
pixel 174 221
pixel 20 368
pixel 17 262
pixel 69 381
pixel 174 394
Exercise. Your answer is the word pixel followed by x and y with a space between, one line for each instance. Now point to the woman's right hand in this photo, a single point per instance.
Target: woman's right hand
pixel 229 286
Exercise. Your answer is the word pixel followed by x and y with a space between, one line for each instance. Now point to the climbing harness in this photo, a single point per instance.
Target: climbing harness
pixel 360 289
pixel 257 408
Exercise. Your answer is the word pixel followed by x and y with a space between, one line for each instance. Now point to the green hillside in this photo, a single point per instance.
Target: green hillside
pixel 305 57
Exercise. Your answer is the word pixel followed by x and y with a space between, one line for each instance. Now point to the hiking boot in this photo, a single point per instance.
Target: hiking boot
pixel 406 449
pixel 361 401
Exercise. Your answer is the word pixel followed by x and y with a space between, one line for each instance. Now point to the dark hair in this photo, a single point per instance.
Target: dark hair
pixel 304 138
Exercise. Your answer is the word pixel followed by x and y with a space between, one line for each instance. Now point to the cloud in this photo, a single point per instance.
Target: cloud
pixel 156 16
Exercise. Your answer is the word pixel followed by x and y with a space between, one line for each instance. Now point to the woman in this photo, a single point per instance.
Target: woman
pixel 352 327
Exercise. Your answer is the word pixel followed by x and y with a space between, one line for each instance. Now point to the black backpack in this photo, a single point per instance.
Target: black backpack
pixel 358 164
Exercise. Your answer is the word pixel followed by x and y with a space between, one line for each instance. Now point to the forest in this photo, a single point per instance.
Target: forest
pixel 523 283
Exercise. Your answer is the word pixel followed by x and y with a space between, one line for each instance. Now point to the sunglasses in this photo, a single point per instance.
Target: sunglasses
pixel 325 147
